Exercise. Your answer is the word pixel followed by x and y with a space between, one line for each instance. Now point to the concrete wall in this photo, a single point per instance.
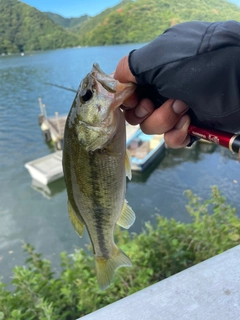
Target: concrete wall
pixel 207 291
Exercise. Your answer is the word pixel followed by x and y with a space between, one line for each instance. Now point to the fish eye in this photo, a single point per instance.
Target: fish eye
pixel 86 96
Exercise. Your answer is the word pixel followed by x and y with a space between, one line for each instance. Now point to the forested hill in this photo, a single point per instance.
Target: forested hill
pixel 24 28
pixel 67 22
pixel 143 20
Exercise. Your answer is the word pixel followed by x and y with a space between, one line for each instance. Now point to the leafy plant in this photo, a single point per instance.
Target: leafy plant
pixel 158 252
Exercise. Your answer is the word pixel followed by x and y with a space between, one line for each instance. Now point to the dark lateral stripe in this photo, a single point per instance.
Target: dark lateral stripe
pixel 98 210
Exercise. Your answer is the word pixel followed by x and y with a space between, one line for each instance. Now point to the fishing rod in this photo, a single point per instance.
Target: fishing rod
pixel 61 87
pixel 224 139
pixel 227 140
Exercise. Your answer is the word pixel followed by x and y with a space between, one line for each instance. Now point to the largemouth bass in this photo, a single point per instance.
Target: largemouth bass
pixel 95 164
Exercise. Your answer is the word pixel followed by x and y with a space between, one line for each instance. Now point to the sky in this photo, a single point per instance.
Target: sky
pixel 235 1
pixel 72 8
pixel 77 8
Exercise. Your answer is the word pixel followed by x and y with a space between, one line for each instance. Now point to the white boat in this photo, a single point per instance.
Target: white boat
pixel 144 149
pixel 46 169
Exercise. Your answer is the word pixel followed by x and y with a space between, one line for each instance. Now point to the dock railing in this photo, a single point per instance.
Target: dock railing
pixel 52 127
pixel 209 290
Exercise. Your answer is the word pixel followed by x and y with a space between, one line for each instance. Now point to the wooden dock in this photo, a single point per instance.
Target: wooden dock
pixel 52 127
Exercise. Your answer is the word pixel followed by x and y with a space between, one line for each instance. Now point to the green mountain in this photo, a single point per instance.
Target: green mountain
pixel 24 28
pixel 75 24
pixel 67 22
pixel 94 22
pixel 143 20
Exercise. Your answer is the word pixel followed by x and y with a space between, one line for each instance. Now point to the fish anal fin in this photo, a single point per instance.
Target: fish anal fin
pixel 76 221
pixel 127 216
pixel 128 164
pixel 106 267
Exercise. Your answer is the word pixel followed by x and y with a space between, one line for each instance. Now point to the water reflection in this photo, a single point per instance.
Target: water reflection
pixel 50 190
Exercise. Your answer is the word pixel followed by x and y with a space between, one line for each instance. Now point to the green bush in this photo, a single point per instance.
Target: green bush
pixel 158 252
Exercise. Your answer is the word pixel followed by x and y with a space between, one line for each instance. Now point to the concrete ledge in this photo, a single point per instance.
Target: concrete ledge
pixel 207 291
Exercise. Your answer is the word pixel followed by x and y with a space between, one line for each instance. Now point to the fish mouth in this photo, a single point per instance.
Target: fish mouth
pixel 106 81
pixel 107 85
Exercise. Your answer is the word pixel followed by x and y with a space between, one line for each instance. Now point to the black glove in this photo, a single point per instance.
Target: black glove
pixel 198 63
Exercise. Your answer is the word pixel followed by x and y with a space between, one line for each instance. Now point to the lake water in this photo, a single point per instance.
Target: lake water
pixel 40 217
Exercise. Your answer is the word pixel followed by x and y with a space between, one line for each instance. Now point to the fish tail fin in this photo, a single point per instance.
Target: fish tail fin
pixel 106 266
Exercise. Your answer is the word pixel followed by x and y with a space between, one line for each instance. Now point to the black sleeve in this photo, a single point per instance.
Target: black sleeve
pixel 198 63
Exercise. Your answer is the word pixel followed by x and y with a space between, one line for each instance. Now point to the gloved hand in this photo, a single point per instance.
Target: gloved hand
pixel 193 64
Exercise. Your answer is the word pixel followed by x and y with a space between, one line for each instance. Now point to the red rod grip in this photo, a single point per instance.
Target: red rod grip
pixel 225 139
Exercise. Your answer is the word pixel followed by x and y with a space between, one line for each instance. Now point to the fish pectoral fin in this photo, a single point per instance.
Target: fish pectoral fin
pixel 128 164
pixel 106 267
pixel 76 221
pixel 127 216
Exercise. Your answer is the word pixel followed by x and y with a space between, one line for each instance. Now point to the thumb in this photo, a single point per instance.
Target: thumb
pixel 123 73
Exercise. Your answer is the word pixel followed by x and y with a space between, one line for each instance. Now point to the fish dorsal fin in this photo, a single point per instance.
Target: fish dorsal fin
pixel 106 267
pixel 127 216
pixel 76 221
pixel 128 164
